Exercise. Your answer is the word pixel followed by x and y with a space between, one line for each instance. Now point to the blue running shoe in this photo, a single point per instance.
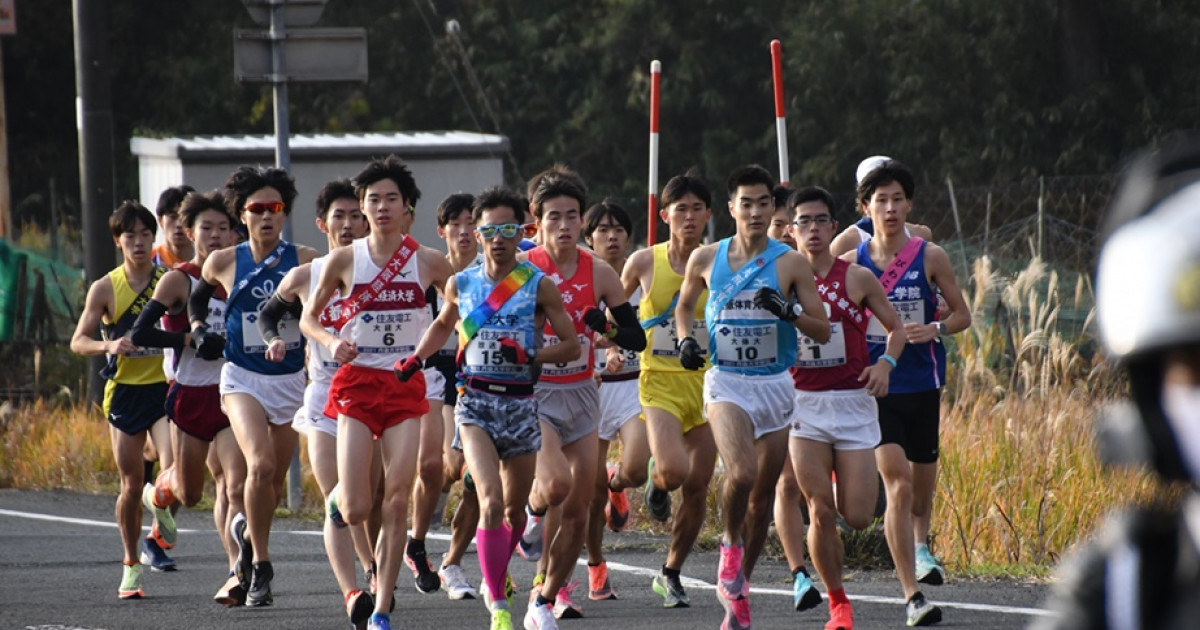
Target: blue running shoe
pixel 804 594
pixel 153 556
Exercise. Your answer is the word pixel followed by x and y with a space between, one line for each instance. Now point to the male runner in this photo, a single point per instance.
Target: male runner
pixel 456 225
pixel 259 396
pixel 136 387
pixel 502 307
pixel 678 434
pixel 175 248
pixel 568 400
pixel 862 230
pixel 836 427
pixel 760 293
pixel 384 277
pixel 606 229
pixel 341 221
pixel 911 270
pixel 193 402
pixel 781 221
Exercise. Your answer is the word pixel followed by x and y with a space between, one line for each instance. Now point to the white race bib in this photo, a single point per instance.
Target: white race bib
pixel 910 312
pixel 384 332
pixel 252 341
pixel 747 345
pixel 819 355
pixel 483 356
pixel 570 368
pixel 665 338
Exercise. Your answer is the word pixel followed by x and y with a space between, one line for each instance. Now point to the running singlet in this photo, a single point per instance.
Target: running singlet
pixel 143 366
pixel 437 303
pixel 922 366
pixel 184 367
pixel 578 296
pixel 321 365
pixel 164 258
pixel 743 338
pixel 836 364
pixel 630 360
pixel 515 319
pixel 244 346
pixel 660 354
pixel 391 324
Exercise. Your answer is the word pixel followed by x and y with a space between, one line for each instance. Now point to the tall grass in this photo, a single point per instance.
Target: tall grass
pixel 47 446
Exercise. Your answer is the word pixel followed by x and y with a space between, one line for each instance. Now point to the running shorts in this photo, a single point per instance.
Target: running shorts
pixel 618 405
pixel 279 394
pixel 571 410
pixel 769 400
pixel 912 421
pixel 375 397
pixel 846 419
pixel 680 394
pixel 134 408
pixel 510 421
pixel 435 384
pixel 311 415
pixel 196 410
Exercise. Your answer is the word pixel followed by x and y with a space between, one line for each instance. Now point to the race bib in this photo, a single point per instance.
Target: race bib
pixel 141 353
pixel 252 341
pixel 483 356
pixel 819 355
pixel 571 368
pixel 379 332
pixel 747 345
pixel 665 338
pixel 910 312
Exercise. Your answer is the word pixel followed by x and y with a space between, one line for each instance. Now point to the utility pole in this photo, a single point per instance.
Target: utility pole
pixel 94 120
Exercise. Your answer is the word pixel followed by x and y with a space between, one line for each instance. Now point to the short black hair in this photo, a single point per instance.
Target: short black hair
pixel 886 173
pixel 247 180
pixel 169 200
pixel 810 193
pixel 749 175
pixel 606 208
pixel 393 168
pixel 556 181
pixel 127 215
pixel 454 205
pixel 331 192
pixel 498 197
pixel 195 203
pixel 780 197
pixel 680 186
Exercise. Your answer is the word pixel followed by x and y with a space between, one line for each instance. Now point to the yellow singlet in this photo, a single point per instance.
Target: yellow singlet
pixel 144 366
pixel 660 354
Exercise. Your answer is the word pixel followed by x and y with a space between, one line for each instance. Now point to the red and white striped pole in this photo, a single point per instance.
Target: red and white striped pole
pixel 652 206
pixel 780 118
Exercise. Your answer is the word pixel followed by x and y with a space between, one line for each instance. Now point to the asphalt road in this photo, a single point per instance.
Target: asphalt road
pixel 60 567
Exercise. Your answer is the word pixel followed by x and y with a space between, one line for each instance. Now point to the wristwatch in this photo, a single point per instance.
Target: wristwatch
pixel 531 355
pixel 941 327
pixel 796 311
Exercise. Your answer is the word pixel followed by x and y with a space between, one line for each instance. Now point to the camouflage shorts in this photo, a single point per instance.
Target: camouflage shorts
pixel 510 421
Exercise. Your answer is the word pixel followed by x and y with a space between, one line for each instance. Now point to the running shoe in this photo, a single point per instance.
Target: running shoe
pixel 920 612
pixel 153 556
pixel 455 583
pixel 260 585
pixel 658 501
pixel 163 531
pixel 331 508
pixel 380 621
pixel 501 619
pixel 671 590
pixel 540 618
pixel 616 511
pixel 804 594
pixel 530 544
pixel 598 587
pixel 737 613
pixel 841 616
pixel 359 606
pixel 243 568
pixel 424 577
pixel 929 568
pixel 131 583
pixel 731 582
pixel 564 608
pixel 231 593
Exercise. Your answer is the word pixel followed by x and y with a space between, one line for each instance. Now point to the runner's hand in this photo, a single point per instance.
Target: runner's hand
pixel 209 346
pixel 343 351
pixel 772 301
pixel 407 367
pixel 276 350
pixel 121 346
pixel 691 355
pixel 596 320
pixel 877 378
pixel 513 352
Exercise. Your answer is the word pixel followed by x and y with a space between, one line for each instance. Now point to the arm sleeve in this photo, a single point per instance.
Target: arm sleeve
pixel 272 312
pixel 145 333
pixel 198 301
pixel 630 335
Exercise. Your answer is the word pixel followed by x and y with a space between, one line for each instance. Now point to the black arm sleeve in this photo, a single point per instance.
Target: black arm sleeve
pixel 145 334
pixel 198 301
pixel 629 330
pixel 272 312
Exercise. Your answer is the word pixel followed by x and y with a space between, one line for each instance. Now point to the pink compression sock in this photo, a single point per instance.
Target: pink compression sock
pixel 494 553
pixel 514 536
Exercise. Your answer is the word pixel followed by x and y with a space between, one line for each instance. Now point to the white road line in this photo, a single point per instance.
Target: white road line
pixel 615 566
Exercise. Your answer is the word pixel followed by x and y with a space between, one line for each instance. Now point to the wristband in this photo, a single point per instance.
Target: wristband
pixel 889 359
pixel 610 333
pixel 531 355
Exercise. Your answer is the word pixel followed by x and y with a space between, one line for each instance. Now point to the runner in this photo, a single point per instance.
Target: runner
pixel 781 221
pixel 341 221
pixel 175 248
pixel 748 398
pixel 862 230
pixel 502 306
pixel 193 402
pixel 385 276
pixel 606 229
pixel 259 396
pixel 678 434
pixel 836 427
pixel 911 270
pixel 568 400
pixel 456 224
pixel 136 387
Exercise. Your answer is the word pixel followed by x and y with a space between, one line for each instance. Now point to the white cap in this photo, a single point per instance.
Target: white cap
pixel 868 165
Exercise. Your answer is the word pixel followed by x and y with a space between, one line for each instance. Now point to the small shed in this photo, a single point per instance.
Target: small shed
pixel 443 162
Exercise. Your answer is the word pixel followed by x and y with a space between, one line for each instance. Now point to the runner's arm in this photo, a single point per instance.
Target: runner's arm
pixel 83 342
pixel 627 332
pixel 329 282
pixel 694 283
pixel 568 348
pixel 812 321
pixel 286 299
pixel 877 377
pixel 941 276
pixel 170 291
pixel 440 330
pixel 631 275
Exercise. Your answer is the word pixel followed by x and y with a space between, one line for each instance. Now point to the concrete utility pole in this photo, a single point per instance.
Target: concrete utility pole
pixel 94 120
